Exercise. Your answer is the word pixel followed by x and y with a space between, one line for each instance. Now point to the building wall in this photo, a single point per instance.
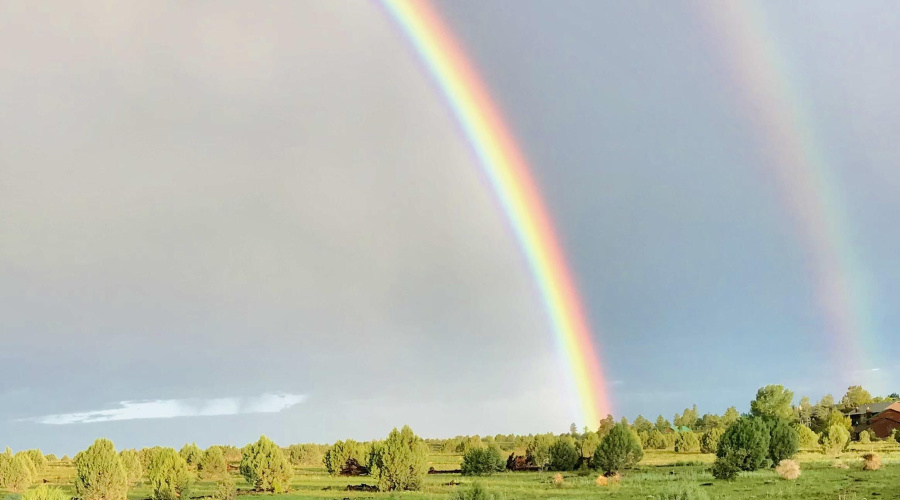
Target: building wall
pixel 886 422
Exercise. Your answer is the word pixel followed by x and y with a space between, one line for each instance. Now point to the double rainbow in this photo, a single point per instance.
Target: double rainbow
pixel 511 180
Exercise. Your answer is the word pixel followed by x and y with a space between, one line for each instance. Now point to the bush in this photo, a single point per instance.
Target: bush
pixel 618 449
pixel 682 491
pixel 265 467
pixel 225 489
pixel 342 451
pixel 38 459
pixel 191 453
pixel 51 458
pixel 399 462
pixel 807 437
pixel 482 461
pixel 835 440
pixel 865 437
pixel 538 450
pixel 871 461
pixel 747 443
pixel 16 474
pixel 788 469
pixel 44 492
pixel 657 440
pixel 709 442
pixel 784 442
pixel 687 442
pixel 304 454
pixel 727 466
pixel 99 474
pixel 564 454
pixel 131 462
pixel 32 468
pixel 475 492
pixel 168 475
pixel 212 463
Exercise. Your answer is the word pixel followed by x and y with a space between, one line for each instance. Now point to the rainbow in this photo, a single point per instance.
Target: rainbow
pixel 804 178
pixel 513 185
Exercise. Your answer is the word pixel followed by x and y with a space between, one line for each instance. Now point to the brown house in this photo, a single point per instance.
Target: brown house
pixel 886 421
pixel 861 415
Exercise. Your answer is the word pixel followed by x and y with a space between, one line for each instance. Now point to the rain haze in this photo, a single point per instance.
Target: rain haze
pixel 226 219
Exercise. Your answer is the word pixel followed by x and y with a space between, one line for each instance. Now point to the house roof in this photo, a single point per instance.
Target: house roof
pixel 680 428
pixel 891 415
pixel 871 408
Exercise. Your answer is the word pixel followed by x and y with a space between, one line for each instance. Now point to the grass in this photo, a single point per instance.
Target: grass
pixel 661 471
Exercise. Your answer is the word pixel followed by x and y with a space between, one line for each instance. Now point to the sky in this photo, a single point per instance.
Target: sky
pixel 226 219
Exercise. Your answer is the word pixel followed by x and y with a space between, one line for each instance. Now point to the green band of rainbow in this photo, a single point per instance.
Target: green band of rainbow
pixel 509 175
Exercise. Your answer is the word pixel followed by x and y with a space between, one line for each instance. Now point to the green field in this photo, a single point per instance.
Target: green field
pixel 660 472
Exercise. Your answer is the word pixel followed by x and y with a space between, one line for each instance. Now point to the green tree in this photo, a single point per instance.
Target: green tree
pixel 605 425
pixel 657 440
pixel 731 416
pixel 835 440
pixel 38 459
pixel 687 442
pixel 806 437
pixel 538 451
pixel 773 401
pixel 619 449
pixel 709 421
pixel 32 468
pixel 662 425
pixel 400 462
pixel 746 443
pixel 642 424
pixel 822 412
pixel 564 454
pixel 225 489
pixel 99 474
pixel 264 466
pixel 191 453
pixel 688 418
pixel 709 442
pixel 341 452
pixel 17 474
pixel 573 430
pixel 168 475
pixel 855 396
pixel 131 462
pixel 589 444
pixel 482 461
pixel 212 463
pixel 784 441
pixel 804 411
pixel 44 492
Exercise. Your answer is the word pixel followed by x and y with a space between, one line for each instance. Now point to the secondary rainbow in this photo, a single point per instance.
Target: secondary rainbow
pixel 803 175
pixel 513 185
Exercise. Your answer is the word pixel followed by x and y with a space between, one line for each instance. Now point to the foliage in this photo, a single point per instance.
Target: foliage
pixel 835 440
pixel 225 489
pixel 538 451
pixel 563 454
pixel 687 442
pixel 99 473
pixel 657 440
pixel 399 462
pixel 617 450
pixel 606 425
pixel 746 442
pixel 37 458
pixel 688 418
pixel 168 475
pixel 191 453
pixel 784 441
pixel 475 492
pixel 26 459
pixel 265 467
pixel 588 444
pixel 731 416
pixel 773 401
pixel 865 437
pixel 131 462
pixel 788 469
pixel 641 424
pixel 662 425
pixel 212 463
pixel 16 473
pixel 682 490
pixel 51 457
pixel 806 436
pixel 855 396
pixel 44 492
pixel 342 451
pixel 709 442
pixel 727 466
pixel 482 461
pixel 302 454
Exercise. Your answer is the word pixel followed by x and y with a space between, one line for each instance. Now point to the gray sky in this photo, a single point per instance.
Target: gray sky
pixel 263 216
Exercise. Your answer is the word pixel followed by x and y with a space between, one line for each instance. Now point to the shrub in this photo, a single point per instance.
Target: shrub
pixel 563 454
pixel 784 441
pixel 191 453
pixel 26 459
pixel 342 451
pixel 131 462
pixel 16 474
pixel 51 458
pixel 727 466
pixel 871 461
pixel 225 489
pixel 538 450
pixel 482 461
pixel 265 467
pixel 807 437
pixel 687 442
pixel 99 473
pixel 38 459
pixel 747 441
pixel 475 492
pixel 212 463
pixel 44 492
pixel 682 490
pixel 788 469
pixel 618 449
pixel 836 439
pixel 657 440
pixel 168 475
pixel 301 454
pixel 709 442
pixel 232 453
pixel 865 437
pixel 399 462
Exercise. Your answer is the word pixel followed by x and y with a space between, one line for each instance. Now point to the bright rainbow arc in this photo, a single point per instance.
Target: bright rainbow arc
pixel 804 177
pixel 512 183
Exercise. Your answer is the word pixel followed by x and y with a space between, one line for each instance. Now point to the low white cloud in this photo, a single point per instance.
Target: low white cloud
pixel 171 408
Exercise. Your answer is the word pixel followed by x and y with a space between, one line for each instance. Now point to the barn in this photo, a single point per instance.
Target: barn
pixel 884 423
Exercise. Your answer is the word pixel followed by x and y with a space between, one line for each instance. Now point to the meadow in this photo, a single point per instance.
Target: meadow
pixel 660 475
